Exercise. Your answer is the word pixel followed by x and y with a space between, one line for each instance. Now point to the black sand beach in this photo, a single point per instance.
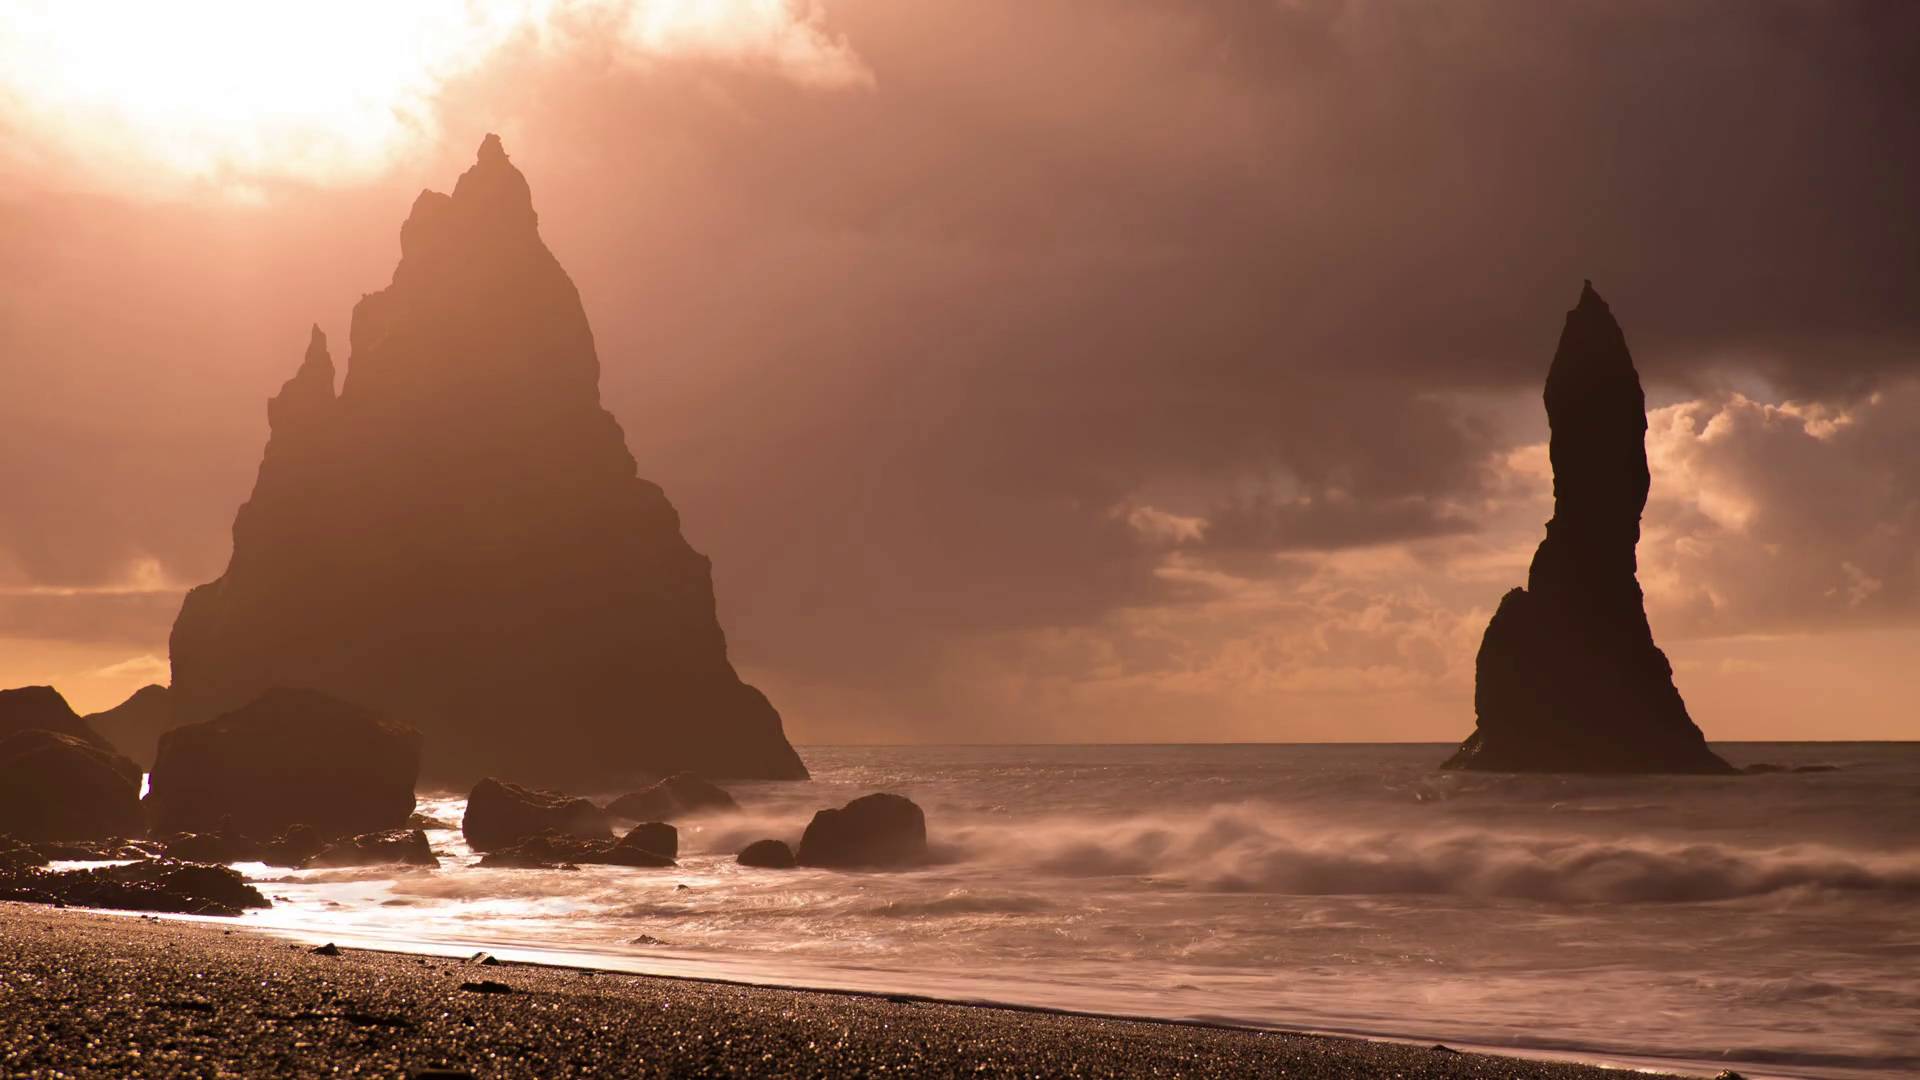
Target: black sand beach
pixel 87 994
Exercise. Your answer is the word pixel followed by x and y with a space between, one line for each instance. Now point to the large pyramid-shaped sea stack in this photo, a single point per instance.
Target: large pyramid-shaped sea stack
pixel 460 539
pixel 1568 678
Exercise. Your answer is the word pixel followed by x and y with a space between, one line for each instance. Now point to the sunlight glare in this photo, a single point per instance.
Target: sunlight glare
pixel 233 94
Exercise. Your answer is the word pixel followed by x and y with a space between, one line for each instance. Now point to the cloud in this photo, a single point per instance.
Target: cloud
pixel 151 668
pixel 1770 518
pixel 149 100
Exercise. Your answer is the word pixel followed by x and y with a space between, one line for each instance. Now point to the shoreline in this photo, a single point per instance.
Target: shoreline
pixel 1610 1062
pixel 156 996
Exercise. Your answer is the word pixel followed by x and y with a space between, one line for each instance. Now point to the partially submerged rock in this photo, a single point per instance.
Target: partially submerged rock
pixel 58 786
pixel 398 847
pixel 15 855
pixel 1568 677
pixel 768 854
pixel 184 888
pixel 500 814
pixel 673 798
pixel 552 850
pixel 226 844
pixel 291 757
pixel 655 837
pixel 218 845
pixel 871 831
pixel 112 849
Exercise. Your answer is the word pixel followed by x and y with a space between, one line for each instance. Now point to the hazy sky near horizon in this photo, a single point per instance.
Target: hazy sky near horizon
pixel 1065 371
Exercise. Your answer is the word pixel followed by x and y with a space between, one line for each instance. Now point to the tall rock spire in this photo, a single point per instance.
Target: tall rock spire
pixel 460 539
pixel 1568 677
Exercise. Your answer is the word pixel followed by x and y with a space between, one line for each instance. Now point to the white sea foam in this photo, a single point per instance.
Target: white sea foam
pixel 1255 847
pixel 1338 888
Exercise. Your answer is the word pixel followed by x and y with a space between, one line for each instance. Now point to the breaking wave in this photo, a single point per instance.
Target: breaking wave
pixel 1253 849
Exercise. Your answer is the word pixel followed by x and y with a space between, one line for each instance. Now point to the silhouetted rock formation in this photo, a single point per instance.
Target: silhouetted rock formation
pixel 141 886
pixel 873 830
pixel 460 536
pixel 657 837
pixel 1568 678
pixel 43 708
pixel 291 757
pixel 653 844
pixel 675 797
pixel 226 844
pixel 135 725
pixel 401 847
pixel 500 815
pixel 220 845
pixel 56 786
pixel 15 855
pixel 111 849
pixel 768 855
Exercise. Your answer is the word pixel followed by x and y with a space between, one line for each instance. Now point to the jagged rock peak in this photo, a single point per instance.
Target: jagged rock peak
pixel 491 202
pixel 1593 353
pixel 310 390
pixel 462 540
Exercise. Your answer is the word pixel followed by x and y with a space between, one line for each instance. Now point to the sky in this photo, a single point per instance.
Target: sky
pixel 1077 371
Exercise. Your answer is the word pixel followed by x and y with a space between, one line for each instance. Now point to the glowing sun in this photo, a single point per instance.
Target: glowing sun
pixel 233 93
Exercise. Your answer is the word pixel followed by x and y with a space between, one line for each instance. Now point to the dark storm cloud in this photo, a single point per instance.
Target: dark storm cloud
pixel 1065 252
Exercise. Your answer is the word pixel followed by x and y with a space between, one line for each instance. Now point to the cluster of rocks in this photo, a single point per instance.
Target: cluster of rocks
pixel 878 831
pixel 297 778
pixel 294 778
pixel 516 826
pixel 154 885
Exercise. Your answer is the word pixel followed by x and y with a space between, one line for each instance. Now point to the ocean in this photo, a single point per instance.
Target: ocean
pixel 1766 923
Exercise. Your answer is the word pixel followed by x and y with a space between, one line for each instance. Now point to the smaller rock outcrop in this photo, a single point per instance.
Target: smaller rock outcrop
pixel 500 815
pixel 655 837
pixel 651 845
pixel 295 846
pixel 112 849
pixel 871 831
pixel 291 757
pixel 135 725
pixel 15 855
pixel 226 844
pixel 58 786
pixel 394 847
pixel 184 888
pixel 217 845
pixel 676 797
pixel 768 855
